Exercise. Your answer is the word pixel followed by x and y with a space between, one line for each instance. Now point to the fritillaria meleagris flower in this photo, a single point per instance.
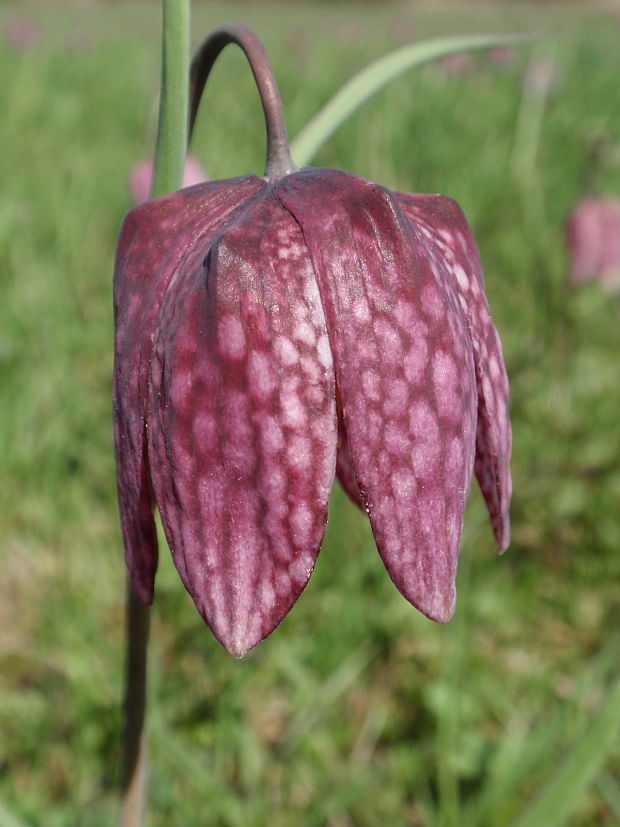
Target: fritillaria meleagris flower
pixel 593 237
pixel 22 34
pixel 274 331
pixel 541 77
pixel 460 63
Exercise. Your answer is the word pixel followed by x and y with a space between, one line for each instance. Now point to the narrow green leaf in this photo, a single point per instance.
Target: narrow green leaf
pixel 7 819
pixel 563 791
pixel 524 752
pixel 376 75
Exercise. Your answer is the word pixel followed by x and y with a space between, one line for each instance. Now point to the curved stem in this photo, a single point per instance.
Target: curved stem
pixel 279 161
pixel 133 793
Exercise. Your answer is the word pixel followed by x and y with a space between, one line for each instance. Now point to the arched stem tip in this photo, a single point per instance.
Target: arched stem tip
pixel 279 161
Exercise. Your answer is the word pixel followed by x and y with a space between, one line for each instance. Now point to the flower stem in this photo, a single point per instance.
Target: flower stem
pixel 133 801
pixel 279 161
pixel 172 128
pixel 169 164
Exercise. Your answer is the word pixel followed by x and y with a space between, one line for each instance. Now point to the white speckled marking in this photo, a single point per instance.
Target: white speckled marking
pixel 299 453
pixel 293 411
pixel 361 310
pixel 261 376
pixel 445 383
pixel 285 351
pixel 416 361
pixel 304 333
pixel 302 520
pixel 324 351
pixel 231 337
pixel 461 277
pixel 371 384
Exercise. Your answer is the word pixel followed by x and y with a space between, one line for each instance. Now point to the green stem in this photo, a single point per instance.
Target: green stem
pixel 172 128
pixel 169 163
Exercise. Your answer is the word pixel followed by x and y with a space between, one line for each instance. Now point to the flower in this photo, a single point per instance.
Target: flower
pixel 503 55
pixel 272 333
pixel 593 240
pixel 22 34
pixel 141 177
pixel 460 63
pixel 541 78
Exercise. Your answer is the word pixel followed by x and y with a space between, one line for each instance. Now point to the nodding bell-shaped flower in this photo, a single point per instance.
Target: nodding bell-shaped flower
pixel 272 332
pixel 593 239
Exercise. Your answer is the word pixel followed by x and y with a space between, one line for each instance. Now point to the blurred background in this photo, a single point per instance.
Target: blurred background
pixel 357 710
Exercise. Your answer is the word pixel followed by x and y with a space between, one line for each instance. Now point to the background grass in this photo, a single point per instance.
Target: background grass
pixel 357 711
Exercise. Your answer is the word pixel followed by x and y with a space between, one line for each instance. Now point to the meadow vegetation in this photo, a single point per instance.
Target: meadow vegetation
pixel 357 710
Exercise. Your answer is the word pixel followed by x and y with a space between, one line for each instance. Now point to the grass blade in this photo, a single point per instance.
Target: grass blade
pixel 562 793
pixel 376 75
pixel 7 819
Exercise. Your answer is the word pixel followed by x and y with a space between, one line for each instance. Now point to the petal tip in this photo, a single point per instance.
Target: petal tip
pixel 238 653
pixel 436 604
pixel 441 611
pixel 143 591
pixel 503 546
pixel 502 534
pixel 238 643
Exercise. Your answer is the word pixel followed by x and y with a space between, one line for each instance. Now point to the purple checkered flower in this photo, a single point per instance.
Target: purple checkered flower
pixel 272 334
pixel 275 332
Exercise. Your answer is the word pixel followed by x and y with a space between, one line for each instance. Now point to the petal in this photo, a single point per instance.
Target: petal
pixel 405 375
pixel 442 221
pixel 344 463
pixel 242 438
pixel 344 467
pixel 153 240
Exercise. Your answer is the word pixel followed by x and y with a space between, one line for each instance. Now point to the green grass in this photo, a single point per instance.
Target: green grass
pixel 357 711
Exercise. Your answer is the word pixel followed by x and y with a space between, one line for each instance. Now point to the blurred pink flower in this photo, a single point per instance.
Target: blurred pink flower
pixel 541 77
pixel 503 55
pixel 461 63
pixel 141 176
pixel 593 239
pixel 22 34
